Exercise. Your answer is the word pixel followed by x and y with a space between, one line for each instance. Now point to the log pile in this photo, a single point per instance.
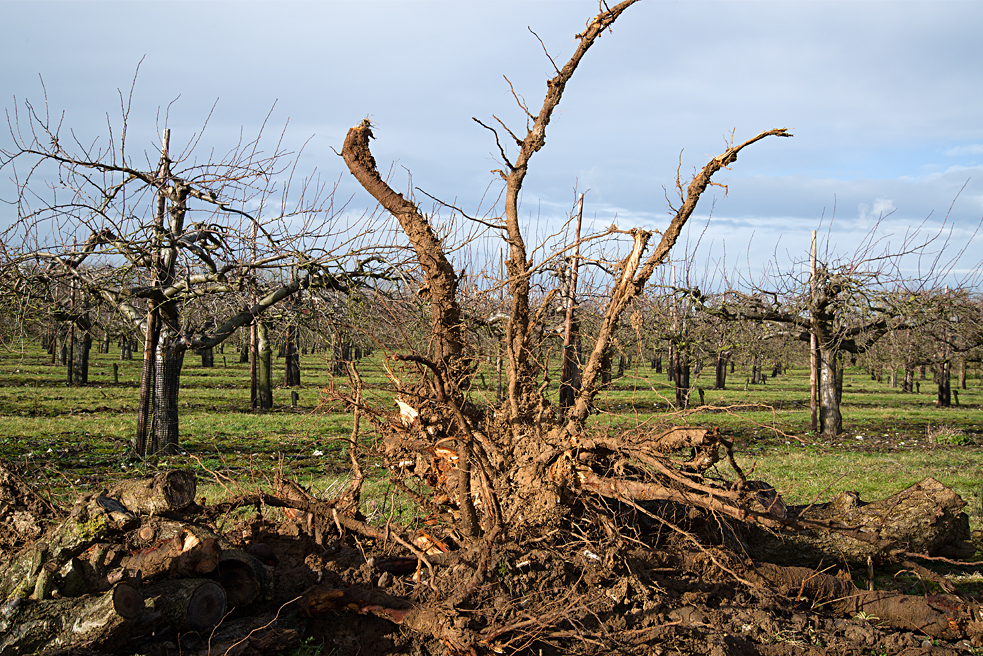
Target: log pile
pixel 124 564
pixel 141 568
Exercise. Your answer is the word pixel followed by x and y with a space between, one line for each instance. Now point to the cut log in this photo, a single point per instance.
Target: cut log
pixel 186 551
pixel 105 622
pixel 188 604
pixel 93 520
pixel 252 636
pixel 166 492
pixel 925 518
pixel 185 555
pixel 243 578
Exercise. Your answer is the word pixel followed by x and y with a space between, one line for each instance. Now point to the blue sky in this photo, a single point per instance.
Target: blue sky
pixel 885 100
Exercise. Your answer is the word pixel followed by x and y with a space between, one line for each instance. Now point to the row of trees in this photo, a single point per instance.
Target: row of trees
pixel 181 255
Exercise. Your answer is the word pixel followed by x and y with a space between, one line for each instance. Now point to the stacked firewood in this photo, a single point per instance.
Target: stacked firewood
pixel 125 563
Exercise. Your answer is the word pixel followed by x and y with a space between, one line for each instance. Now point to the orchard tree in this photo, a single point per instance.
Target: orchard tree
pixel 847 307
pixel 148 240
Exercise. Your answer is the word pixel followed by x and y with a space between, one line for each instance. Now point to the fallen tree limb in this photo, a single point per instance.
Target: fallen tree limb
pixel 925 518
pixel 940 616
pixel 94 519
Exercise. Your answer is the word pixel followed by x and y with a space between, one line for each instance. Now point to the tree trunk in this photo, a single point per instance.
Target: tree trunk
pixel 167 384
pixel 682 378
pixel 291 366
pixel 925 518
pixel 125 348
pixel 148 376
pixel 207 357
pixel 80 361
pixel 962 373
pixel 942 376
pixel 61 348
pixel 606 369
pixel 756 371
pixel 720 381
pixel 908 386
pixel 264 367
pixel 830 420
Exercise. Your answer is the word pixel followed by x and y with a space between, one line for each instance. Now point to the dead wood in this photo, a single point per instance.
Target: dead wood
pixel 187 554
pixel 243 577
pixel 251 636
pixel 188 604
pixel 939 616
pixel 925 518
pixel 32 572
pixel 164 492
pixel 104 622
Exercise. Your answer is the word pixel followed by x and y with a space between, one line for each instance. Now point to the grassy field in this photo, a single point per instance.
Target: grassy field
pixel 77 438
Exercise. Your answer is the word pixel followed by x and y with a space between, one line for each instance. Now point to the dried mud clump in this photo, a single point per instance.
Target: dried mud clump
pixel 24 513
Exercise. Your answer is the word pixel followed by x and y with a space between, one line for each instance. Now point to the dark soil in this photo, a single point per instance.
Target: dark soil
pixel 565 595
pixel 588 586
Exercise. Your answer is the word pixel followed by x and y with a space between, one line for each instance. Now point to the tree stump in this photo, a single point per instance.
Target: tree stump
pixel 188 604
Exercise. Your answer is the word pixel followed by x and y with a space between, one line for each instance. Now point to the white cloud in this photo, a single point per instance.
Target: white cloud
pixel 882 207
pixel 970 149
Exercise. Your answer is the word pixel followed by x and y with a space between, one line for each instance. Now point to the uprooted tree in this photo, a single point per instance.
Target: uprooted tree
pixel 513 467
pixel 526 479
pixel 495 475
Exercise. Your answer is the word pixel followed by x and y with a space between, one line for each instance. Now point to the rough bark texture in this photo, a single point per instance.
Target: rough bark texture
pixel 264 367
pixel 939 617
pixel 105 622
pixel 33 572
pixel 167 385
pixel 830 418
pixel 164 492
pixel 440 279
pixel 925 518
pixel 188 604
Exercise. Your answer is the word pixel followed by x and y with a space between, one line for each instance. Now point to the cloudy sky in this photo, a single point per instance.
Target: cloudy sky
pixel 885 100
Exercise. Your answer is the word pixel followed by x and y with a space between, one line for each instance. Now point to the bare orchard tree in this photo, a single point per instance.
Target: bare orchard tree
pixel 847 305
pixel 149 239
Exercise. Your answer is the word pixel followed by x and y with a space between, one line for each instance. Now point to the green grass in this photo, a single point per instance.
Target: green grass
pixel 78 437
